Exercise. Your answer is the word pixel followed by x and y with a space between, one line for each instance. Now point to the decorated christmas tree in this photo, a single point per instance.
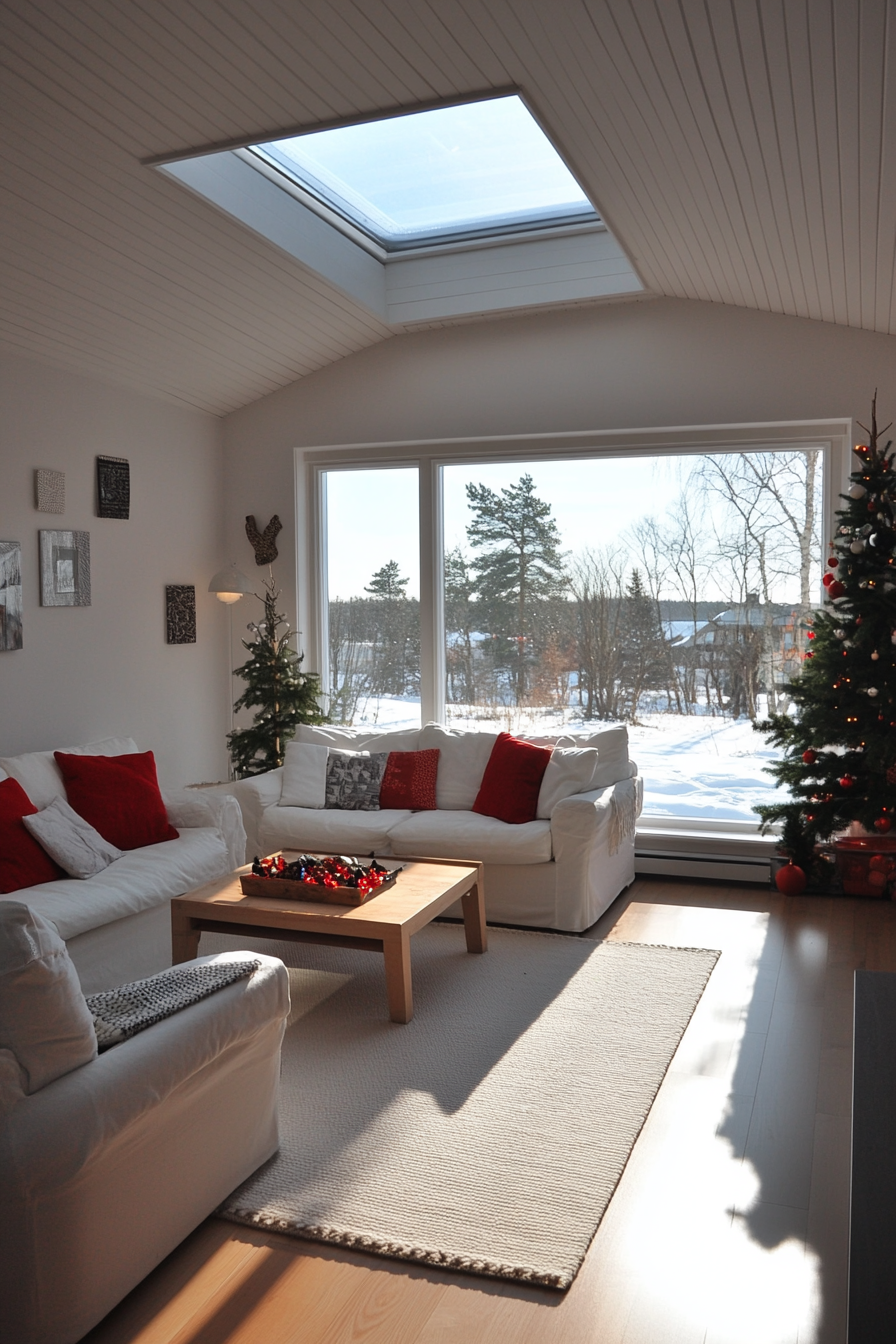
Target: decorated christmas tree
pixel 284 695
pixel 839 744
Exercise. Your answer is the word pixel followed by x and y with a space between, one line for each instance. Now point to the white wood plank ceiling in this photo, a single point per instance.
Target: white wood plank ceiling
pixel 742 151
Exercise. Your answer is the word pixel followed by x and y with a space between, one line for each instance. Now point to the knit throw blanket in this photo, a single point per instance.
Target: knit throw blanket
pixel 120 1013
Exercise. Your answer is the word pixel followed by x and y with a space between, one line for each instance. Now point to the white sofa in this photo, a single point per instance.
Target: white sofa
pixel 108 1161
pixel 117 925
pixel 560 871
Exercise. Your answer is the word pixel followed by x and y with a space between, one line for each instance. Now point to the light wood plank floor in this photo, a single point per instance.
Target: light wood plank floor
pixel 729 1225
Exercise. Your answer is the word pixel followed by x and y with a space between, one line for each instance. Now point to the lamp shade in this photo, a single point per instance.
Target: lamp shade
pixel 230 583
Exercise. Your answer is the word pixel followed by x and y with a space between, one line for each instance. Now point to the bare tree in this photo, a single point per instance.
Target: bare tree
pixel 597 583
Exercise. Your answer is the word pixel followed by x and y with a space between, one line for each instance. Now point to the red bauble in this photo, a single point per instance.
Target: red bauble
pixel 833 562
pixel 810 634
pixel 846 782
pixel 810 756
pixel 883 824
pixel 790 880
pixel 827 580
pixel 836 589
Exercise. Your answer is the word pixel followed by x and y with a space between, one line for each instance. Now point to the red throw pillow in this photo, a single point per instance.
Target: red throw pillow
pixel 119 796
pixel 410 780
pixel 22 861
pixel 512 779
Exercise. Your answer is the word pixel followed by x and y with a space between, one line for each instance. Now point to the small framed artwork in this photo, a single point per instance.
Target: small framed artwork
pixel 180 613
pixel 113 487
pixel 49 490
pixel 65 569
pixel 10 595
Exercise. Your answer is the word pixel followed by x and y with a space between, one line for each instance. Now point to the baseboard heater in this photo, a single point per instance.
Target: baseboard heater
pixel 707 866
pixel 720 853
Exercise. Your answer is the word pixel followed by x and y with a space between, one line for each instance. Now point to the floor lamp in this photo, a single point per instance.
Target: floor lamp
pixel 229 585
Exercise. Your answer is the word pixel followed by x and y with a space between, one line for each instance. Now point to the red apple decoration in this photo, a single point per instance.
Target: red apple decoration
pixel 790 880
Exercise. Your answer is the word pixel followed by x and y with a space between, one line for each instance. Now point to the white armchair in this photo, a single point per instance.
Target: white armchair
pixel 107 1167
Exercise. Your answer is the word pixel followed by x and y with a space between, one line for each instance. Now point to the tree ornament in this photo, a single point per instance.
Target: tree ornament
pixel 790 880
pixel 857 546
pixel 873 691
pixel 827 580
pixel 810 756
pixel 810 634
pixel 874 656
pixel 833 562
pixel 846 781
pixel 891 774
pixel 836 589
pixel 839 634
pixel 883 824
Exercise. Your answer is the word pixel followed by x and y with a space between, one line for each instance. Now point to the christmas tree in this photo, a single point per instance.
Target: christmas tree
pixel 839 762
pixel 276 685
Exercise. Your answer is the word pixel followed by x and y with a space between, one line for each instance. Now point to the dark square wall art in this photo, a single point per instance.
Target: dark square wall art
pixel 180 613
pixel 113 487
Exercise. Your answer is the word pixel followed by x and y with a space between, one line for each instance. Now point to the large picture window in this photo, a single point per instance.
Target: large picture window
pixel 562 590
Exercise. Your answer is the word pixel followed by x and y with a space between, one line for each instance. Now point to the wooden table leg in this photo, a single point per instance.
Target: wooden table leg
pixel 473 904
pixel 184 936
pixel 397 955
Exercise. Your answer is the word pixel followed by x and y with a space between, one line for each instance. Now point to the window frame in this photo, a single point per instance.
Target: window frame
pixel 833 436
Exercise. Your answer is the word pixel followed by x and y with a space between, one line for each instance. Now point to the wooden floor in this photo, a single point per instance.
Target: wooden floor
pixel 729 1225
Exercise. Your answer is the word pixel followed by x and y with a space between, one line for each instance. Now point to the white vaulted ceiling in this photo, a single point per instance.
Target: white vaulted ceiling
pixel 741 151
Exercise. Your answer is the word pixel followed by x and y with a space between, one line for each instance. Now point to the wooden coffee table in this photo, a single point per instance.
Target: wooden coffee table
pixel 383 924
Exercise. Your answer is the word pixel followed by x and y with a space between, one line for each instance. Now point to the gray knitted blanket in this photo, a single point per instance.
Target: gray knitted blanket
pixel 120 1013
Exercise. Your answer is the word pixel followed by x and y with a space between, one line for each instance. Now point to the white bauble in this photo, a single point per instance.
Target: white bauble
pixel 857 546
pixel 856 491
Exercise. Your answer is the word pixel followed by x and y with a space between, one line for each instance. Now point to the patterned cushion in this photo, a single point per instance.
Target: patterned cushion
pixel 354 778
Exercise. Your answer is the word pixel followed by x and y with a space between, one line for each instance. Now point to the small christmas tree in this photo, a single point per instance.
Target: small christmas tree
pixel 839 763
pixel 284 694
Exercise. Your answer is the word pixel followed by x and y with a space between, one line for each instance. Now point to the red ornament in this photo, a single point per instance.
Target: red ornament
pixel 810 756
pixel 836 589
pixel 833 561
pixel 790 880
pixel 883 824
pixel 810 634
pixel 846 782
pixel 827 580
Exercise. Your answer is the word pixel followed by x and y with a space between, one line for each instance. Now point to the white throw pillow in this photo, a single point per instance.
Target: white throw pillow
pixel 462 763
pixel 304 775
pixel 44 1019
pixel 78 849
pixel 613 759
pixel 570 770
pixel 40 776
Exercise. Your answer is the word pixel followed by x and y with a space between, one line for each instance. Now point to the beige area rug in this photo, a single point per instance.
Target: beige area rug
pixel 489 1133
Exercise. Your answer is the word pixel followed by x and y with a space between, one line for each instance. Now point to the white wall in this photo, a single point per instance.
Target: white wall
pixel 662 362
pixel 89 672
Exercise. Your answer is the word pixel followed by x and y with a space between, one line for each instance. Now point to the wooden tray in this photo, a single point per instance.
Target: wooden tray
pixel 283 888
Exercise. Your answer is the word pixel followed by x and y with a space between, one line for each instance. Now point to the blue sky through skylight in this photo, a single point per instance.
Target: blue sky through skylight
pixel 453 171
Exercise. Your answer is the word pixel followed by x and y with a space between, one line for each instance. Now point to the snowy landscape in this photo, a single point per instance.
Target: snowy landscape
pixel 694 766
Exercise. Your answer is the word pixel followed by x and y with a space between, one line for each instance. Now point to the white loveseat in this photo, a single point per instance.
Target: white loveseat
pixel 560 871
pixel 117 925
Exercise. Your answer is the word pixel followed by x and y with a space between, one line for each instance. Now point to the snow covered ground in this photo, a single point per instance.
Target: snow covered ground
pixel 701 767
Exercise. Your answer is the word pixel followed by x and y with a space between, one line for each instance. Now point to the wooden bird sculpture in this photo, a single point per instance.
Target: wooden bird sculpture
pixel 263 543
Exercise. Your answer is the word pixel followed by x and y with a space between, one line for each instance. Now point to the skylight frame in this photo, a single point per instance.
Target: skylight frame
pixel 361 225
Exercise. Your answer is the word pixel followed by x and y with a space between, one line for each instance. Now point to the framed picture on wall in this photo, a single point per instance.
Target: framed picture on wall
pixel 10 595
pixel 113 487
pixel 65 569
pixel 180 613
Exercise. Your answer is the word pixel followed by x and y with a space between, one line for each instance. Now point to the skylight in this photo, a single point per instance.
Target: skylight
pixel 468 171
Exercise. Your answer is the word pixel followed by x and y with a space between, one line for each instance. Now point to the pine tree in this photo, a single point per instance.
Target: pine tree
pixel 839 762
pixel 284 695
pixel 643 646
pixel 520 563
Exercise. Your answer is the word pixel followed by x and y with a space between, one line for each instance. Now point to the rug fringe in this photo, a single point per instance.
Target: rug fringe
pixel 359 1241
